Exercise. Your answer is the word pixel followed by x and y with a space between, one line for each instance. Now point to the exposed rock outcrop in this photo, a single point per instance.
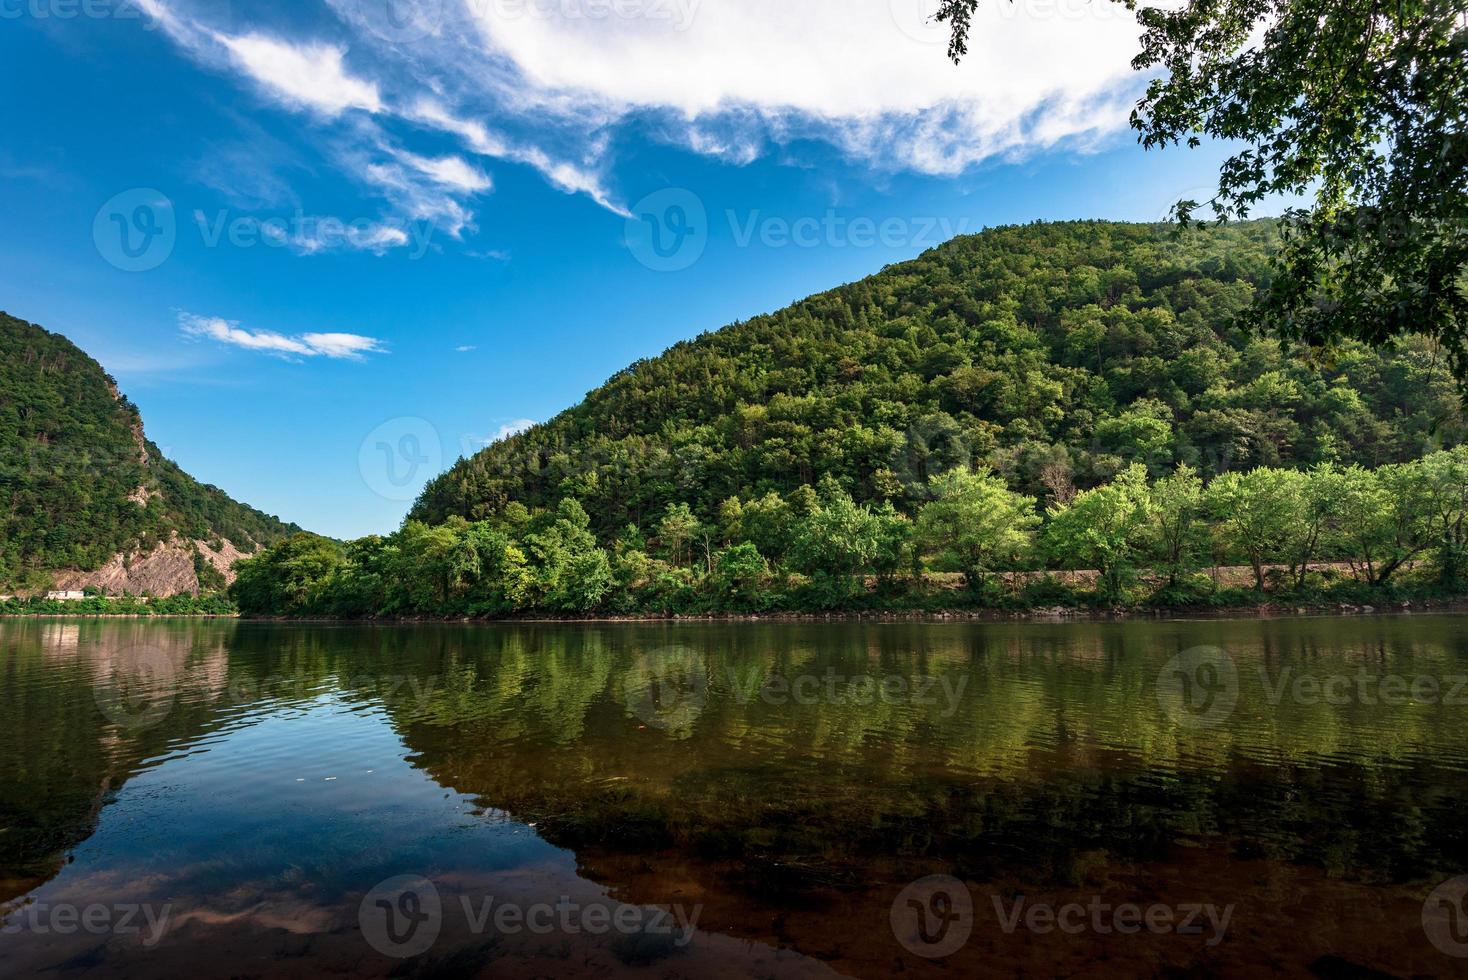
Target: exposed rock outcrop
pixel 166 570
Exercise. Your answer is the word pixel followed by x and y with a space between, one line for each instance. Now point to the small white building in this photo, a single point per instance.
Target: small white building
pixel 67 596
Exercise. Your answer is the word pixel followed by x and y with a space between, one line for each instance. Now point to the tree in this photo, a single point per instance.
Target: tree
pixel 571 574
pixel 504 578
pixel 435 564
pixel 976 523
pixel 677 527
pixel 1259 514
pixel 1320 491
pixel 1356 103
pixel 1445 492
pixel 739 573
pixel 1104 529
pixel 1177 533
pixel 287 579
pixel 1381 519
pixel 837 538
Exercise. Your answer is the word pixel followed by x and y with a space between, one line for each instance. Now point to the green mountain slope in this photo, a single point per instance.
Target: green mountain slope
pixel 79 481
pixel 1053 353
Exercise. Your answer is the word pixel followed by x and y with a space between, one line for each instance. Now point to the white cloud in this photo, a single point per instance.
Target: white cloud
pixel 466 348
pixel 512 428
pixel 450 171
pixel 868 77
pixel 307 75
pixel 347 346
pixel 477 137
pixel 552 86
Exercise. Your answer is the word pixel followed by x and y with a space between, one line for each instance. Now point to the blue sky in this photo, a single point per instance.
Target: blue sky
pixel 363 237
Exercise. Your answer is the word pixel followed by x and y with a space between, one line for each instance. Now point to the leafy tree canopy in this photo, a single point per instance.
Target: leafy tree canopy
pixel 1357 105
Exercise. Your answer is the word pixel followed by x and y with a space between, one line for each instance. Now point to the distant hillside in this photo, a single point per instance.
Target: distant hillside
pixel 86 499
pixel 1054 353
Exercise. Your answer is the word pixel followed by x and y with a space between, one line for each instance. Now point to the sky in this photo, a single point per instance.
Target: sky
pixel 329 246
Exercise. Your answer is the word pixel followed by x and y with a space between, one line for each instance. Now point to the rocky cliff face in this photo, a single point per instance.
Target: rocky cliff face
pixel 169 569
pixel 86 500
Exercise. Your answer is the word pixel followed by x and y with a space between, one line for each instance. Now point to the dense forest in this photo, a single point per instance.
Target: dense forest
pixel 1041 398
pixel 79 481
pixel 1055 354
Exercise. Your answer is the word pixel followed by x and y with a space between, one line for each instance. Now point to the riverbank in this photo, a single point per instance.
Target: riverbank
pixel 1053 614
pixel 939 605
pixel 211 606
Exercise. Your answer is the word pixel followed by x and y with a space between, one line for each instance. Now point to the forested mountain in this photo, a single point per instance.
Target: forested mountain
pixel 1054 354
pixel 81 487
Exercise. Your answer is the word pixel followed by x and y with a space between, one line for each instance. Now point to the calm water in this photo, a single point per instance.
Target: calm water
pixel 235 799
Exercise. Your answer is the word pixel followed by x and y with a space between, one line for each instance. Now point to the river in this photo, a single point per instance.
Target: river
pixel 222 798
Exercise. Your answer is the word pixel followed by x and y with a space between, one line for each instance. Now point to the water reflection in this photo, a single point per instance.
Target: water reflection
pixel 789 781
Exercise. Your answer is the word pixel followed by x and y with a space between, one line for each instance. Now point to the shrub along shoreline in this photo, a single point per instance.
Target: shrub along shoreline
pixel 1325 536
pixel 213 604
pixel 930 604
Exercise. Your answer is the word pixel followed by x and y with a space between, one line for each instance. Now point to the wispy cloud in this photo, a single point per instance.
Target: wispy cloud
pixel 466 348
pixel 512 428
pixel 341 346
pixel 548 87
pixel 307 75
